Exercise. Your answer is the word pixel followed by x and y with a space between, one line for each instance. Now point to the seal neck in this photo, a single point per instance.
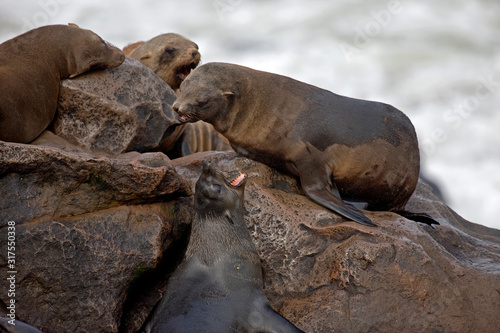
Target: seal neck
pixel 214 237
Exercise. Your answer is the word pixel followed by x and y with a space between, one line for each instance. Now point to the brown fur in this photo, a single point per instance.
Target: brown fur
pixel 193 138
pixel 31 67
pixel 339 147
pixel 171 56
pixel 187 138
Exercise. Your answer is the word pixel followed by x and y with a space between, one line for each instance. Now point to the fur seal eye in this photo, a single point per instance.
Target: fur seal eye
pixel 169 51
pixel 202 103
pixel 217 188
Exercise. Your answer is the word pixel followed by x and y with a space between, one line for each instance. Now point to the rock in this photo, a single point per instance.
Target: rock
pixel 73 274
pixel 46 182
pixel 127 108
pixel 86 227
pixel 326 274
pixel 89 263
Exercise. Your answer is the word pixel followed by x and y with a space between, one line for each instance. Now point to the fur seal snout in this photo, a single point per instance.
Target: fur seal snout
pixel 218 285
pixel 342 149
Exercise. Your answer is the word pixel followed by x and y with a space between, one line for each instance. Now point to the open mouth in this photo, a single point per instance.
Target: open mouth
pixel 183 118
pixel 238 179
pixel 183 71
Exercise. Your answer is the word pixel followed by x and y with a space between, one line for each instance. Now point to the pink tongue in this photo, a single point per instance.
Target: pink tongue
pixel 238 179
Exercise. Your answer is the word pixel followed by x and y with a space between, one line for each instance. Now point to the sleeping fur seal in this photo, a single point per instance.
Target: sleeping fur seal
pixel 341 148
pixel 218 285
pixel 31 66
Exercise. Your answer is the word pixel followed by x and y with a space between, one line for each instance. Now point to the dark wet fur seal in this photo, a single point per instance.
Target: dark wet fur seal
pixel 341 148
pixel 31 67
pixel 218 286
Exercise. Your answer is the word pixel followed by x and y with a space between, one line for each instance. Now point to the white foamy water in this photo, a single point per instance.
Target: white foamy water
pixel 439 62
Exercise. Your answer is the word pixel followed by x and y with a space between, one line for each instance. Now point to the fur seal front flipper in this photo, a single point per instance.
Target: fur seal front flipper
pixel 218 287
pixel 318 184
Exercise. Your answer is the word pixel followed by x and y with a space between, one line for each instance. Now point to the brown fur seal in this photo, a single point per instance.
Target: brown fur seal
pixel 218 285
pixel 193 138
pixel 341 148
pixel 173 67
pixel 31 66
pixel 171 56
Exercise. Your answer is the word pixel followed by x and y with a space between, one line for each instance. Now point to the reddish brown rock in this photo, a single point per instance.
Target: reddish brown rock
pixel 41 182
pixel 102 271
pixel 74 274
pixel 326 274
pixel 127 108
pixel 86 227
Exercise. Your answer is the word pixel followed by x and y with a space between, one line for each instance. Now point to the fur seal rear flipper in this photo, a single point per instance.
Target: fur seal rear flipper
pixel 342 149
pixel 218 287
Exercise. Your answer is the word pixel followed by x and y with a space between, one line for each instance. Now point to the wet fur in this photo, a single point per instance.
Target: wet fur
pixel 218 286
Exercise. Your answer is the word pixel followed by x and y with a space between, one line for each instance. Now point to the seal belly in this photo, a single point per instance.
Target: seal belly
pixel 394 170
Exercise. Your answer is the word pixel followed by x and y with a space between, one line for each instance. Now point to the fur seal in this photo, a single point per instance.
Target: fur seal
pixel 171 56
pixel 31 66
pixel 173 67
pixel 341 148
pixel 218 285
pixel 191 138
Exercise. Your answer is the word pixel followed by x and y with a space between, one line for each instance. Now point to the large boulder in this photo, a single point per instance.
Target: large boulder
pixel 326 274
pixel 85 227
pixel 127 108
pixel 44 181
pixel 100 263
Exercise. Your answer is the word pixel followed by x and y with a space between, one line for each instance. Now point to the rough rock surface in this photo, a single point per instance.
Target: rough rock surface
pixel 127 108
pixel 85 228
pixel 100 265
pixel 45 182
pixel 326 274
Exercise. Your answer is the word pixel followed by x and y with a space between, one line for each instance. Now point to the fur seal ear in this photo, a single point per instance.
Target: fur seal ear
pixel 73 25
pixel 146 56
pixel 228 93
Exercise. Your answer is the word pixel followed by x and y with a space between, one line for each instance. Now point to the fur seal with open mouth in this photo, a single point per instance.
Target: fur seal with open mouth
pixel 171 56
pixel 31 68
pixel 218 285
pixel 341 148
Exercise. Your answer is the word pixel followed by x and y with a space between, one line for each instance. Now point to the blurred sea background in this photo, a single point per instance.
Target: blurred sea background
pixel 439 62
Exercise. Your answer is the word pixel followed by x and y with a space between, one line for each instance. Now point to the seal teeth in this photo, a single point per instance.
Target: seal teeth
pixel 237 181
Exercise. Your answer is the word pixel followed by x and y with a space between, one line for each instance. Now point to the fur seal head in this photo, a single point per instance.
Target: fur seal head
pixel 215 195
pixel 90 52
pixel 171 56
pixel 207 96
